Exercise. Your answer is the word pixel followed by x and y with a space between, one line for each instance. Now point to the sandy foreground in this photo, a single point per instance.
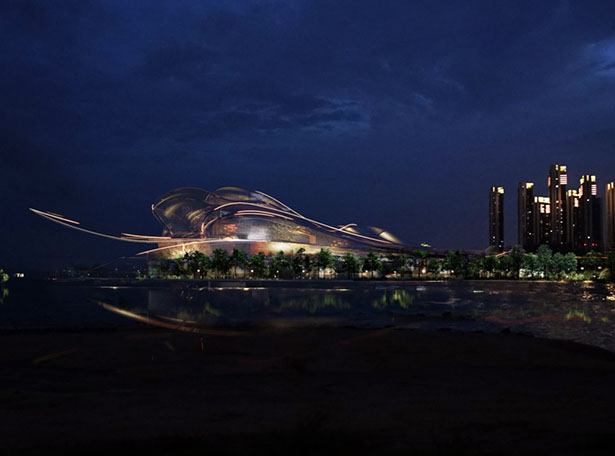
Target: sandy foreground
pixel 303 391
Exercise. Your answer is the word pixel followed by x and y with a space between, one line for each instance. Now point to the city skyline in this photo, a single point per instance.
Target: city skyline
pixel 567 220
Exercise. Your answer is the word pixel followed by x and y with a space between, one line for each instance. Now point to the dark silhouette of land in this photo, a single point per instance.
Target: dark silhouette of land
pixel 302 391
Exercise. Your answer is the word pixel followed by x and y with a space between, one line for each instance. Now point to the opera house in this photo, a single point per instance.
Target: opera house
pixel 231 217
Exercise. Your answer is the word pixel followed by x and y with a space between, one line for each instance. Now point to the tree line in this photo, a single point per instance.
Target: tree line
pixel 515 264
pixel 282 265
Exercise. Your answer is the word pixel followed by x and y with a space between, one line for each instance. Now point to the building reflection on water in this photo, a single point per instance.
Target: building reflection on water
pixel 581 311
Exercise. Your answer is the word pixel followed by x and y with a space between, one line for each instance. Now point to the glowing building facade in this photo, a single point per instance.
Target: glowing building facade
pixel 568 220
pixel 590 215
pixel 557 183
pixel 526 233
pixel 542 220
pixel 610 217
pixel 496 219
pixel 231 217
pixel 572 220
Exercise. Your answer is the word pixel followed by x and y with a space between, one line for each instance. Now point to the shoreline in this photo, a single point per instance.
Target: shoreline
pixel 279 283
pixel 339 388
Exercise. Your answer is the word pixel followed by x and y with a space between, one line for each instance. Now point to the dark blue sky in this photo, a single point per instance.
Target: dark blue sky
pixel 388 113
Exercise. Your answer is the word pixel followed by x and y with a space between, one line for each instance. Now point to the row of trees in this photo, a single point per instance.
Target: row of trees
pixel 514 264
pixel 296 265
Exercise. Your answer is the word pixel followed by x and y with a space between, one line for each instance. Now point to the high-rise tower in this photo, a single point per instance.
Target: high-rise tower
pixel 590 215
pixel 557 182
pixel 496 218
pixel 526 235
pixel 610 217
pixel 572 220
pixel 542 220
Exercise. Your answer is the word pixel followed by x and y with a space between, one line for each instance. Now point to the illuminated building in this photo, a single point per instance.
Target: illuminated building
pixel 496 219
pixel 557 182
pixel 525 216
pixel 231 217
pixel 610 217
pixel 572 220
pixel 590 215
pixel 542 219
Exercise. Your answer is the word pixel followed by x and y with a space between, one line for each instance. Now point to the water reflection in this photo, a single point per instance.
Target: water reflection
pixel 579 311
pixel 397 297
pixel 168 322
pixel 531 307
pixel 313 303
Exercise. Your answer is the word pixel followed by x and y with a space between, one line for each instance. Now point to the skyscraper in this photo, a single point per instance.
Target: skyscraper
pixel 496 219
pixel 557 182
pixel 572 220
pixel 525 216
pixel 590 215
pixel 542 220
pixel 610 217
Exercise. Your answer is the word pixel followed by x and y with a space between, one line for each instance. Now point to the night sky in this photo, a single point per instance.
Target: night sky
pixel 394 114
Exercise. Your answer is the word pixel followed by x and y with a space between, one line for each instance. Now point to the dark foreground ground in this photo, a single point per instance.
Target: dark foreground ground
pixel 309 391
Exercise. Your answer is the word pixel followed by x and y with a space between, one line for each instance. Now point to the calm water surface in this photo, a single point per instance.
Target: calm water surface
pixel 584 312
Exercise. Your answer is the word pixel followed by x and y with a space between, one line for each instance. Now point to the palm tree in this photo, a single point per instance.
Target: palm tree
pixel 517 253
pixel 421 256
pixel 279 264
pixel 544 260
pixel 434 266
pixel 350 264
pixel 372 263
pixel 196 263
pixel 308 263
pixel 490 263
pixel 238 259
pixel 324 259
pixel 220 261
pixel 257 264
pixel 297 262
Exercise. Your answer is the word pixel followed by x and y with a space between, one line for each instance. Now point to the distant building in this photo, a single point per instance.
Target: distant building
pixel 590 215
pixel 557 183
pixel 496 219
pixel 610 217
pixel 572 220
pixel 526 235
pixel 542 220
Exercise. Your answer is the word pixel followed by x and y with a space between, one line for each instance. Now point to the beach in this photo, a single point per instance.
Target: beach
pixel 302 391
